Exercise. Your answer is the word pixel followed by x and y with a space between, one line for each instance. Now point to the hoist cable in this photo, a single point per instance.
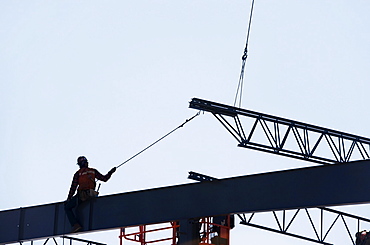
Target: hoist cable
pixel 239 90
pixel 187 120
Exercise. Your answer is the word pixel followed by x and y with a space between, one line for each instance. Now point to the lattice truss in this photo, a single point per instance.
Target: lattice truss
pixel 324 223
pixel 286 137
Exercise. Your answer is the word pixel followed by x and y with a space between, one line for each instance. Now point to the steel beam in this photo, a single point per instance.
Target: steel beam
pixel 282 190
pixel 306 141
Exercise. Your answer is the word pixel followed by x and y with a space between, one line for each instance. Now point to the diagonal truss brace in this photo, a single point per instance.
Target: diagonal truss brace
pixel 307 138
pixel 67 237
pixel 320 232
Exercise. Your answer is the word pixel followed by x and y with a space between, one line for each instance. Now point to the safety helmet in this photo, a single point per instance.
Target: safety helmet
pixel 81 161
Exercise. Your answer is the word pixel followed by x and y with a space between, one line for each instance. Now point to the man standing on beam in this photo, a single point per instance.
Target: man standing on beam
pixel 84 182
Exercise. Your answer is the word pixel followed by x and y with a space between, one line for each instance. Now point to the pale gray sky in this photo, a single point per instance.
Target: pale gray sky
pixel 107 78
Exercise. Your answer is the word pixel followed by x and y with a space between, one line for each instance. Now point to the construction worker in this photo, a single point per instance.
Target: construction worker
pixel 362 238
pixel 222 225
pixel 84 179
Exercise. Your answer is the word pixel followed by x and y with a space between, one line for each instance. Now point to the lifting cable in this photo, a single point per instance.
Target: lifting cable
pixel 244 59
pixel 187 120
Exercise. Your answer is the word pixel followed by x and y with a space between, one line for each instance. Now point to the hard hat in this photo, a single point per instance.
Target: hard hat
pixel 81 160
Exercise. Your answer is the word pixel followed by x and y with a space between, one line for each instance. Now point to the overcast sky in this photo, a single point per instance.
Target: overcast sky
pixel 105 79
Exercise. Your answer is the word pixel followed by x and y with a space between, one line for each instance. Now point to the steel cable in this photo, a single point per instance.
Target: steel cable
pixel 239 90
pixel 187 120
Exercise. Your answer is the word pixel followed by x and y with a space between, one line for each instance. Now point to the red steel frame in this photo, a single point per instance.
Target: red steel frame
pixel 207 233
pixel 140 236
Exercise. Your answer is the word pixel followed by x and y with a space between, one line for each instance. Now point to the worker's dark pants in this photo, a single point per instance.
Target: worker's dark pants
pixel 69 209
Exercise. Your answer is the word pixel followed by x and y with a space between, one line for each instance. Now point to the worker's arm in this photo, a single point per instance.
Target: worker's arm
pixel 74 185
pixel 106 177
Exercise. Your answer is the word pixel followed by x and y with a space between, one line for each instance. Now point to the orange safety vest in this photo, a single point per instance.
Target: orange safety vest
pixel 86 179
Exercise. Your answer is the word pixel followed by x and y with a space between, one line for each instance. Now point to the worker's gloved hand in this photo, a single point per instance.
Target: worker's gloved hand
pixel 113 170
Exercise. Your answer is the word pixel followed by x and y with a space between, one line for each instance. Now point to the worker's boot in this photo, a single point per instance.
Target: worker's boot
pixel 76 227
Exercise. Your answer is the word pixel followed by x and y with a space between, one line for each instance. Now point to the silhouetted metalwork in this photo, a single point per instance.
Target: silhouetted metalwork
pixel 319 231
pixel 284 226
pixel 281 190
pixel 200 177
pixel 287 137
pixel 71 239
pixel 83 240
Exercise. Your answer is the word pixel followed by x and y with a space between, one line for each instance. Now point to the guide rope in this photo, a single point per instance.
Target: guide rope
pixel 239 90
pixel 187 120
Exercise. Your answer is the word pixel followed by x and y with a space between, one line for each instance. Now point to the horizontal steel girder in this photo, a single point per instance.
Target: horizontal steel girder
pixel 287 137
pixel 324 185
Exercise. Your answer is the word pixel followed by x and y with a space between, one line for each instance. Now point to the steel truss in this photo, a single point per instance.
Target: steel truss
pixel 321 233
pixel 87 242
pixel 283 224
pixel 46 241
pixel 305 140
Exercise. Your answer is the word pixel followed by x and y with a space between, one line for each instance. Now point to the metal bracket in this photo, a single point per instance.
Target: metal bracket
pixel 200 177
